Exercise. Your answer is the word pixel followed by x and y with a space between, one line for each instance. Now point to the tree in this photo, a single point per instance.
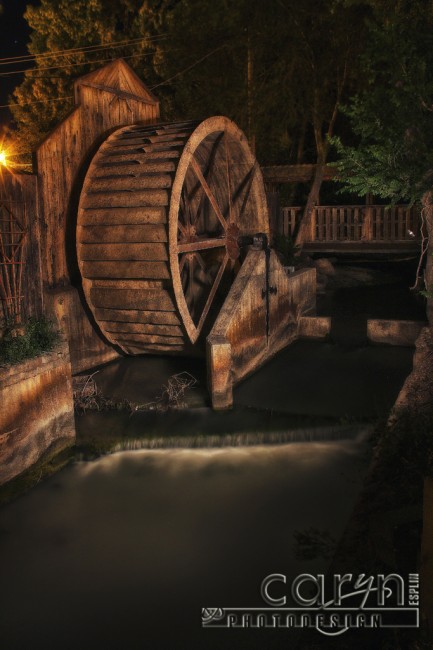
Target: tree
pixel 279 69
pixel 392 118
pixel 328 52
pixel 59 26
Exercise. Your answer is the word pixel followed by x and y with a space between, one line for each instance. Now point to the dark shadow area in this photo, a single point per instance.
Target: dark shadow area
pixel 369 289
pixel 316 378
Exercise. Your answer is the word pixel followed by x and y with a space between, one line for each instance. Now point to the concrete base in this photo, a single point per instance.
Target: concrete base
pixel 314 327
pixel 394 332
pixel 37 410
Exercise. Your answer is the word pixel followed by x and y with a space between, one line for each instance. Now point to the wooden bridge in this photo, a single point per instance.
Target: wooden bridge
pixel 357 228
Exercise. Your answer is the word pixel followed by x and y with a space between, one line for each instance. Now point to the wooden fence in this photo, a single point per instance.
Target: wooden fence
pixel 20 273
pixel 356 223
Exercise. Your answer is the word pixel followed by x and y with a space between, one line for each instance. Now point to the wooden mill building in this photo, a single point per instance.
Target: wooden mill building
pixel 47 201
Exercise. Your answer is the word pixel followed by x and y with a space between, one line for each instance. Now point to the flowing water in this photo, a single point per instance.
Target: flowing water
pixel 123 552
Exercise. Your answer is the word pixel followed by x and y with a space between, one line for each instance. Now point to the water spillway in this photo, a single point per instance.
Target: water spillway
pixel 126 550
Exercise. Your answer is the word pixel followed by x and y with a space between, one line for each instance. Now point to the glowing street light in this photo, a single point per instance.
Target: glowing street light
pixel 2 158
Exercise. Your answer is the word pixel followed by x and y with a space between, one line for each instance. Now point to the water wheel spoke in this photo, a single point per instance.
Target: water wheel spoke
pixel 190 286
pixel 200 245
pixel 213 291
pixel 201 262
pixel 208 192
pixel 181 229
pixel 244 188
pixel 184 212
pixel 229 194
pixel 209 169
pixel 182 262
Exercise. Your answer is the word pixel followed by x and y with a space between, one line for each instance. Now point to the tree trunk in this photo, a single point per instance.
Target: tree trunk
pixel 313 196
pixel 250 93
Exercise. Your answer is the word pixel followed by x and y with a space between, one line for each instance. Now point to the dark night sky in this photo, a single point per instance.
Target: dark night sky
pixel 14 36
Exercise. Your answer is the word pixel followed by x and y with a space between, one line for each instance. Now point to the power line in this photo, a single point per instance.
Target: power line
pixel 181 72
pixel 69 65
pixel 77 50
pixel 162 83
pixel 41 101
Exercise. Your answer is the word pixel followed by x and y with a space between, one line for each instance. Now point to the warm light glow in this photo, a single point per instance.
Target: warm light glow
pixel 2 158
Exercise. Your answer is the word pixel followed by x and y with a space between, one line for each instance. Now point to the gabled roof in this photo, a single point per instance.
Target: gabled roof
pixel 116 77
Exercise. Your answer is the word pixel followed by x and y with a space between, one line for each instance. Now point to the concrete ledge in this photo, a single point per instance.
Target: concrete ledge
pixel 36 412
pixel 394 332
pixel 314 327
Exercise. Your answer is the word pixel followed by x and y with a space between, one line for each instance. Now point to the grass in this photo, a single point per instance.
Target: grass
pixel 39 336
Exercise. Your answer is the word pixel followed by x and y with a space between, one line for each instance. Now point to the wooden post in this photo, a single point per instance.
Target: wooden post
pixel 219 367
pixel 334 224
pixel 367 225
pixel 313 225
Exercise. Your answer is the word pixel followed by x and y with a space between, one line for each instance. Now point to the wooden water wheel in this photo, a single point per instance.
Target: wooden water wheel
pixel 160 214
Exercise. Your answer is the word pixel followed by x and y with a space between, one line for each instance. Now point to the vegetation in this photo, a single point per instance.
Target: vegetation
pixel 38 336
pixel 281 69
pixel 262 64
pixel 392 116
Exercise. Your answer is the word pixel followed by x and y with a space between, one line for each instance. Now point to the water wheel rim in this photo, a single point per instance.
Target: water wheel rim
pixel 230 226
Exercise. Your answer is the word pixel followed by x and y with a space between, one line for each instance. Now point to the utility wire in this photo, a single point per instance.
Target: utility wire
pixel 162 83
pixel 41 101
pixel 77 50
pixel 178 74
pixel 70 65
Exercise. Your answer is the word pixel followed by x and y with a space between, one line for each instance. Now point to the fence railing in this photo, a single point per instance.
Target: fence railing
pixel 356 223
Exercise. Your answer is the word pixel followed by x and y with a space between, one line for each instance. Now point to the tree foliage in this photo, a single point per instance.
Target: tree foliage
pixel 59 26
pixel 392 118
pixel 279 69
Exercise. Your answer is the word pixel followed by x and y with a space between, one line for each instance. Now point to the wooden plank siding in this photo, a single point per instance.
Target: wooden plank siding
pixel 107 98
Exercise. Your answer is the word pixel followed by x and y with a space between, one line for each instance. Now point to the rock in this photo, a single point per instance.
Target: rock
pixel 324 265
pixel 417 391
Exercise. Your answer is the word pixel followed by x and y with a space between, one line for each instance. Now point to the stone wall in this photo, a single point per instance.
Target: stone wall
pixel 37 411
